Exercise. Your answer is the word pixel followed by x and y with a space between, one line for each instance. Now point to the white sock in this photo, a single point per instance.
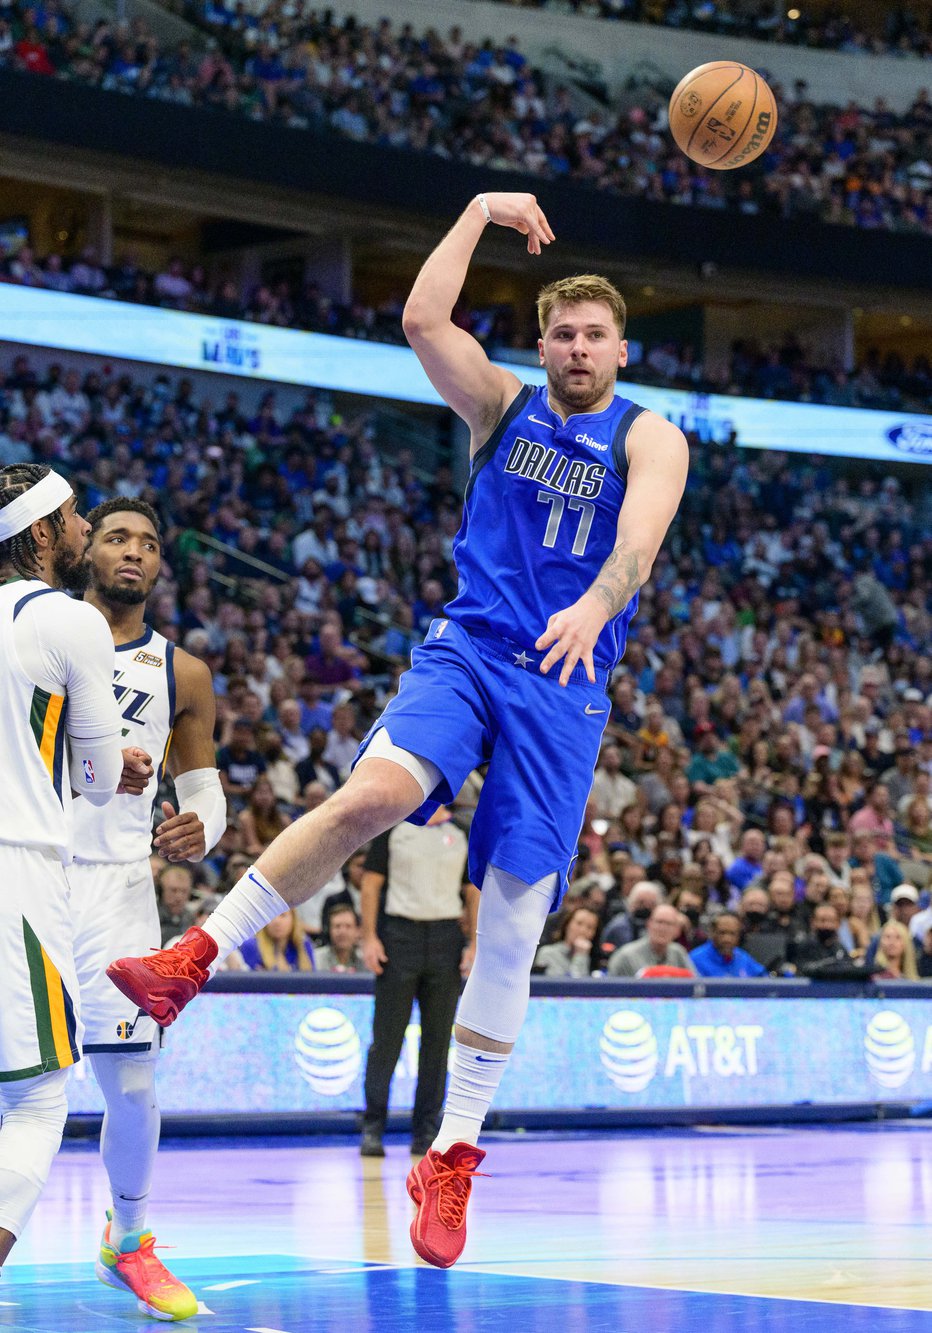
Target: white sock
pixel 128 1217
pixel 251 904
pixel 474 1079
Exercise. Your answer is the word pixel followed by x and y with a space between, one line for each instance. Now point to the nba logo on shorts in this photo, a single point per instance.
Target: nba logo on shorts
pixel 89 772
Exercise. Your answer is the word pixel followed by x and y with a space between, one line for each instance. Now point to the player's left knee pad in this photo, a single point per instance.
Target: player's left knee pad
pixel 32 1119
pixel 128 1078
pixel 511 919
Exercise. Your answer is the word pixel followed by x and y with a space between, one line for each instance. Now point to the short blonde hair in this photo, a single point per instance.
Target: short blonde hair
pixel 583 287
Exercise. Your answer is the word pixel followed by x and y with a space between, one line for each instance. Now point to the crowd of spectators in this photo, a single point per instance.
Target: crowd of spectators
pixel 769 746
pixel 279 301
pixel 781 370
pixel 486 105
pixel 900 30
pixel 189 287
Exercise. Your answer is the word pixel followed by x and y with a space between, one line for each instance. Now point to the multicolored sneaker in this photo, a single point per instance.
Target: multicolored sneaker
pixel 440 1186
pixel 167 979
pixel 134 1267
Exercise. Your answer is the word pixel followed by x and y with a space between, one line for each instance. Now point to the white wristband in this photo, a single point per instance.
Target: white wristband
pixel 481 201
pixel 199 790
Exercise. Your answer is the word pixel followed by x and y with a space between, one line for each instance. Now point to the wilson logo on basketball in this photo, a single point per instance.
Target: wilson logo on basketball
pixel 761 132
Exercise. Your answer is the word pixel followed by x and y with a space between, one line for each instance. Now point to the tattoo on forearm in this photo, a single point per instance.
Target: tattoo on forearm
pixel 618 580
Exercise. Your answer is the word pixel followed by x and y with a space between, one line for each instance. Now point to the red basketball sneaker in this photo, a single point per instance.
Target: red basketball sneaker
pixel 440 1186
pixel 165 981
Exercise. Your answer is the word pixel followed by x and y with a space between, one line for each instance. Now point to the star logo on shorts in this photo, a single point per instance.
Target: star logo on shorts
pixel 522 659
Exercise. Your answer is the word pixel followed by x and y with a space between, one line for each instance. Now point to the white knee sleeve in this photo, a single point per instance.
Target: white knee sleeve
pixel 511 919
pixel 32 1118
pixel 126 1078
pixel 129 1138
pixel 422 770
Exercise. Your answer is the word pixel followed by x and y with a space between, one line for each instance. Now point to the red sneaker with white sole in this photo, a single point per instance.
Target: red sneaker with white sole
pixel 166 980
pixel 440 1185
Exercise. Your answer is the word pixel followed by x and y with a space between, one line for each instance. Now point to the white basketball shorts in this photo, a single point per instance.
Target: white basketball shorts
pixel 114 912
pixel 40 1025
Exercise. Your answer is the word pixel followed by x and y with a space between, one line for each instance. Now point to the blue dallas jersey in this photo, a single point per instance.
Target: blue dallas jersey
pixel 540 519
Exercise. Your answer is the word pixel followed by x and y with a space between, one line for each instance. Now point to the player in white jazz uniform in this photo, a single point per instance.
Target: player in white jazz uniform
pixel 166 700
pixel 60 735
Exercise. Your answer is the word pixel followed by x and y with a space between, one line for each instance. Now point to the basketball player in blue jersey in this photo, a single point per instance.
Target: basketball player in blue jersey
pixel 570 494
pixel 166 702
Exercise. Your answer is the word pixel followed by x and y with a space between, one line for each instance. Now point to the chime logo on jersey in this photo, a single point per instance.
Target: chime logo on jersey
pixel 89 777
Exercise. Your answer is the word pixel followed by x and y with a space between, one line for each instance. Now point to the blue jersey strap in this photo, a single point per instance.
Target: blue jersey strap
pixel 627 420
pixel 483 455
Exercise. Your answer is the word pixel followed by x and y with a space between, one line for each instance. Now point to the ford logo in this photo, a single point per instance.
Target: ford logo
pixel 915 437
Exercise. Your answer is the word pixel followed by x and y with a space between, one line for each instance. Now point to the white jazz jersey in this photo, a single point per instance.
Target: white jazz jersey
pixel 36 809
pixel 144 684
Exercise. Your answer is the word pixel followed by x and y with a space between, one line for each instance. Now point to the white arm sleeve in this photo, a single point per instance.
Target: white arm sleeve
pixel 66 646
pixel 200 791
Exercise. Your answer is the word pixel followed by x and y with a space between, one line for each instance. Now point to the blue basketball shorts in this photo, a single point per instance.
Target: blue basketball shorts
pixel 469 700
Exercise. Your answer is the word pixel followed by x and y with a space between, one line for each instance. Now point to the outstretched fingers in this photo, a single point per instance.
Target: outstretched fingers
pixel 539 231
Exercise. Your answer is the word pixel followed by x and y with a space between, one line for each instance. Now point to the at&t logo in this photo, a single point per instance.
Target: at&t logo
pixel 328 1051
pixel 629 1051
pixel 889 1049
pixel 631 1055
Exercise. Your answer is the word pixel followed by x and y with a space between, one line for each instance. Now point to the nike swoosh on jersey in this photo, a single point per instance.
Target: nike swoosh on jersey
pixel 590 711
pixel 537 421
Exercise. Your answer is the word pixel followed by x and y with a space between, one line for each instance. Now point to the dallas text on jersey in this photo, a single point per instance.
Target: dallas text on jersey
pixel 551 468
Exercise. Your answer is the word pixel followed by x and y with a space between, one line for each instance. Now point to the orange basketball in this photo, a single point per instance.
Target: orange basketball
pixel 722 115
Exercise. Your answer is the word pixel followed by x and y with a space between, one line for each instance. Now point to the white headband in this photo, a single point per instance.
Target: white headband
pixel 39 501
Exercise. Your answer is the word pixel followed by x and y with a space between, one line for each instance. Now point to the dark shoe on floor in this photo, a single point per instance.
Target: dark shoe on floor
pixel 371 1144
pixel 420 1147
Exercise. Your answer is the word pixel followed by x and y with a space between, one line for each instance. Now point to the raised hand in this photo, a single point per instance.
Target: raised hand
pixel 524 214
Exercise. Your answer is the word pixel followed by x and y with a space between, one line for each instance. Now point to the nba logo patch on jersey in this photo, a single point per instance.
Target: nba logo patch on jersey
pixel 440 628
pixel 89 777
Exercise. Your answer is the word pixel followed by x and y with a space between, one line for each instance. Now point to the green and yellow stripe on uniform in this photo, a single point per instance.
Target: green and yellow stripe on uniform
pixel 47 719
pixel 54 1011
pixel 164 762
